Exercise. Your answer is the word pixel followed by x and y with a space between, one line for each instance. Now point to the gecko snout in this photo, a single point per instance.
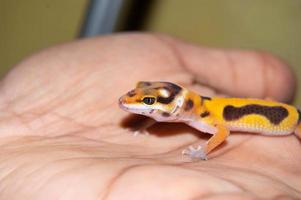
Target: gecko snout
pixel 121 102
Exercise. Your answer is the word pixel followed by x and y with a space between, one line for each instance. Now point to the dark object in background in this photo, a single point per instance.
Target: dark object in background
pixel 107 16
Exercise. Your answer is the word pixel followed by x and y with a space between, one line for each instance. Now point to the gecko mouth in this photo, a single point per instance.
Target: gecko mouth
pixel 126 107
pixel 133 109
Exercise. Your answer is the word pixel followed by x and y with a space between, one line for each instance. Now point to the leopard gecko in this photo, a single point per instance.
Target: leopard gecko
pixel 168 102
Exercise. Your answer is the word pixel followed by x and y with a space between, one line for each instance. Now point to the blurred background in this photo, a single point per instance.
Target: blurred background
pixel 270 25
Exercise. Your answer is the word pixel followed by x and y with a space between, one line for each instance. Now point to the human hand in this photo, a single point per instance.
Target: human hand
pixel 63 135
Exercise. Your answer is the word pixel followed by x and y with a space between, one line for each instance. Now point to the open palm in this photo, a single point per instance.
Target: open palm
pixel 62 135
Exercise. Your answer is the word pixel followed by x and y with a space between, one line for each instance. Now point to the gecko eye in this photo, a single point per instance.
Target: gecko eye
pixel 149 100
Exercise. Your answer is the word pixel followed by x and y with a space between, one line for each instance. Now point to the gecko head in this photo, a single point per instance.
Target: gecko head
pixel 158 100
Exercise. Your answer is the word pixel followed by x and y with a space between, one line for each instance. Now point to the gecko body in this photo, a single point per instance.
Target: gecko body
pixel 168 102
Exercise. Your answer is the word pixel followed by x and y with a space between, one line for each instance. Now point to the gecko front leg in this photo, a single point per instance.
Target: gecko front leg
pixel 220 134
pixel 143 126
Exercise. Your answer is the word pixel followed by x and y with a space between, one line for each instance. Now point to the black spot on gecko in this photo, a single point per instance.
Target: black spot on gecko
pixel 203 98
pixel 188 105
pixel 131 93
pixel 275 114
pixel 206 98
pixel 205 114
pixel 143 84
pixel 172 89
pixel 165 114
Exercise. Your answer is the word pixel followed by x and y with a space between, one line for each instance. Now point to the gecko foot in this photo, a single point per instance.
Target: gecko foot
pixel 197 152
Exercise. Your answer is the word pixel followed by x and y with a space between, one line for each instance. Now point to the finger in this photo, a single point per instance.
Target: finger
pixel 237 72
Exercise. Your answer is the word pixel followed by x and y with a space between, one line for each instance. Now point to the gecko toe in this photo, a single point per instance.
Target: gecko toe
pixel 197 152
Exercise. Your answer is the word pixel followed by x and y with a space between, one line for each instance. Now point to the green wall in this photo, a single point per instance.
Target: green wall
pixel 29 25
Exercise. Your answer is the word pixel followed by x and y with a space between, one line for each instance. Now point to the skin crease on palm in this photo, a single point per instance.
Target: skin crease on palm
pixel 62 134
